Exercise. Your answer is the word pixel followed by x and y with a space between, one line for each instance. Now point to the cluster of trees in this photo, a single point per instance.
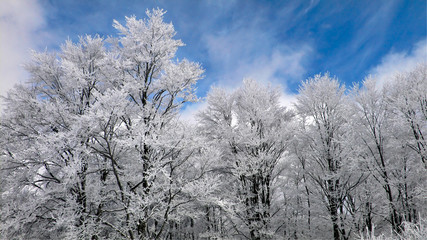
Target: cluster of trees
pixel 93 148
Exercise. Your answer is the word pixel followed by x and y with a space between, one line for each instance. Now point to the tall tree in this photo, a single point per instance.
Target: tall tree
pixel 372 121
pixel 408 103
pixel 249 126
pixel 386 137
pixel 408 100
pixel 323 104
pixel 94 140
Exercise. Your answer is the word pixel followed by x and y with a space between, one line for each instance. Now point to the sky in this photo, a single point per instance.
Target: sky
pixel 280 42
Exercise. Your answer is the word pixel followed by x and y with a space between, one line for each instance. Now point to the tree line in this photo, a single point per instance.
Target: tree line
pixel 93 148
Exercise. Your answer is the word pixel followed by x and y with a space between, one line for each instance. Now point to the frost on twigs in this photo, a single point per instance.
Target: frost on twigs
pixel 91 147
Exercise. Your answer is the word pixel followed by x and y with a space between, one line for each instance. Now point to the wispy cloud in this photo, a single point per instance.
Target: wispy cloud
pixel 278 67
pixel 395 62
pixel 281 42
pixel 288 100
pixel 358 32
pixel 249 50
pixel 21 26
pixel 188 114
pixel 313 3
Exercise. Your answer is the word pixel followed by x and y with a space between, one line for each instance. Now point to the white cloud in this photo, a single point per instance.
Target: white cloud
pixel 395 62
pixel 188 114
pixel 276 68
pixel 21 23
pixel 313 4
pixel 246 54
pixel 288 100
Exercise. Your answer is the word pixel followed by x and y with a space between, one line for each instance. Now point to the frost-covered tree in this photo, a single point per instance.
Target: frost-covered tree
pixel 44 164
pixel 408 100
pixel 91 148
pixel 387 140
pixel 300 203
pixel 324 106
pixel 372 119
pixel 408 104
pixel 249 127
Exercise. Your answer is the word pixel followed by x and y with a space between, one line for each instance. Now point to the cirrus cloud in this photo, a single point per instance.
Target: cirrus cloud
pixel 21 26
pixel 395 62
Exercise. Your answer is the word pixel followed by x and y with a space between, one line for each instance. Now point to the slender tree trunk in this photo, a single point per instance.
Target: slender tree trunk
pixel 333 209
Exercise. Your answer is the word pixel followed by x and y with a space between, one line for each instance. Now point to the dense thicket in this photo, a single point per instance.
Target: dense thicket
pixel 93 148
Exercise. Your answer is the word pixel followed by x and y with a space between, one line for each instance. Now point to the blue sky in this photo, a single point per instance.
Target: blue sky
pixel 282 42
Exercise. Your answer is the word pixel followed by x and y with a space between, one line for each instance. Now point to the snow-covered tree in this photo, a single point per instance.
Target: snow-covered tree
pixel 408 100
pixel 386 136
pixel 92 147
pixel 249 127
pixel 371 122
pixel 328 159
pixel 408 104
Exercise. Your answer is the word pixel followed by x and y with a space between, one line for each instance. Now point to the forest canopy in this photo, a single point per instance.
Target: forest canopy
pixel 93 147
